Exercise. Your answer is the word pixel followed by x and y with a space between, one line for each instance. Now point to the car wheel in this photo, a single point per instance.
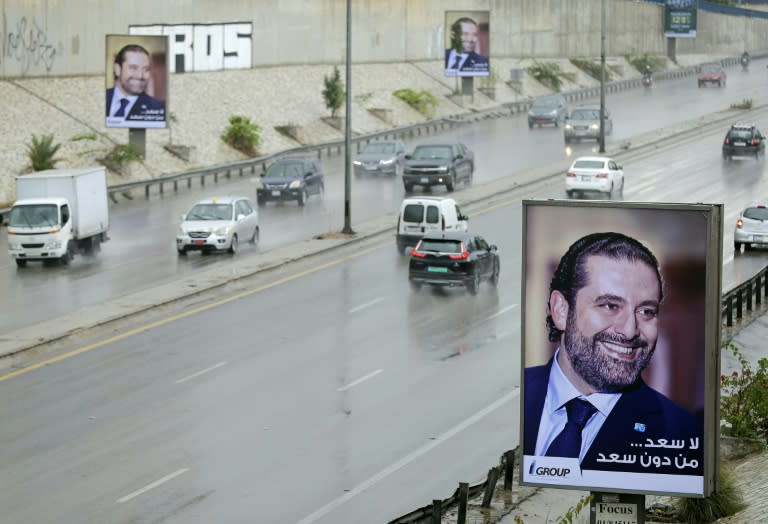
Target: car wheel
pixel 495 275
pixel 699 84
pixel 21 263
pixel 415 286
pixel 233 245
pixel 302 197
pixel 569 193
pixel 567 140
pixel 67 257
pixel 747 246
pixel 474 284
pixel 255 237
pixel 261 201
pixel 610 190
pixel 398 170
pixel 736 248
pixel 182 252
pixel 530 125
pixel 449 184
pixel 408 187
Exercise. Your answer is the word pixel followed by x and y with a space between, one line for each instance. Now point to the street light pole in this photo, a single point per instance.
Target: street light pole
pixel 348 128
pixel 602 76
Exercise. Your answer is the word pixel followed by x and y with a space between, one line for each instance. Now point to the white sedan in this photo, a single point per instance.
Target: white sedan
pixel 594 174
pixel 218 224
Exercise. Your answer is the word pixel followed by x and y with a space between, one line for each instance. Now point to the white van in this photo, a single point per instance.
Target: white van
pixel 420 215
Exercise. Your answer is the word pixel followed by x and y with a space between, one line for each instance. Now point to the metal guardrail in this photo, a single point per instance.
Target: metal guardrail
pixel 745 298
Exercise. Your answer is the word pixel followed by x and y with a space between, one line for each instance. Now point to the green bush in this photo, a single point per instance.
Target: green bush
pixel 727 500
pixel 333 93
pixel 242 134
pixel 592 68
pixel 744 398
pixel 746 103
pixel 41 152
pixel 656 63
pixel 422 101
pixel 550 74
pixel 120 156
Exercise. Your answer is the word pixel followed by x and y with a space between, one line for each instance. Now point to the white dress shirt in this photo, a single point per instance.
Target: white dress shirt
pixel 554 416
pixel 118 95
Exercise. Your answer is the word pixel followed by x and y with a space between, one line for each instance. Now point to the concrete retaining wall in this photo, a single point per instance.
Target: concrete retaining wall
pixel 57 38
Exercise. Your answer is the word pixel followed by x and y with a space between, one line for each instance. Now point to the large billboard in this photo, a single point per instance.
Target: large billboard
pixel 680 18
pixel 467 43
pixel 136 94
pixel 620 346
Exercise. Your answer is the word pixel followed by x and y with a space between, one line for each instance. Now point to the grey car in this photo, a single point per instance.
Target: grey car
pixel 751 227
pixel 549 109
pixel 584 122
pixel 380 157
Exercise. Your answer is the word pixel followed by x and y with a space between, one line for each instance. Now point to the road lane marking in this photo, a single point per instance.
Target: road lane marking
pixel 500 312
pixel 381 475
pixel 201 372
pixel 360 380
pixel 367 304
pixel 152 485
pixel 193 311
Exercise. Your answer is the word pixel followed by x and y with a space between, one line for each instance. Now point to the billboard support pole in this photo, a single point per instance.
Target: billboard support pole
pixel 602 76
pixel 137 137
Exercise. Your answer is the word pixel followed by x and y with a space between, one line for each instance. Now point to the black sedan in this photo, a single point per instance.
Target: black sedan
pixel 439 165
pixel 453 259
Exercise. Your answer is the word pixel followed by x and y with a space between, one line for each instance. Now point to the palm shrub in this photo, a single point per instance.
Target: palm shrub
pixel 42 152
pixel 744 398
pixel 242 134
pixel 727 500
pixel 550 74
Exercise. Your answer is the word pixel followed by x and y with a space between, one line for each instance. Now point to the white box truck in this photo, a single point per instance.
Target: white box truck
pixel 58 213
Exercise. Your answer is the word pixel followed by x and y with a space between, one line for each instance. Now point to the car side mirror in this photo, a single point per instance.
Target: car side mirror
pixel 493 247
pixel 619 166
pixel 308 174
pixel 262 175
pixel 407 157
pixel 459 157
pixel 463 217
pixel 240 217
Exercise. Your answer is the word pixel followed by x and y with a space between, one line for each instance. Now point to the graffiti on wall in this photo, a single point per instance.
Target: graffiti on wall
pixel 204 47
pixel 27 44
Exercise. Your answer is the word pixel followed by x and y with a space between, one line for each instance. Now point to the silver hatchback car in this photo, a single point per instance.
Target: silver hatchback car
pixel 584 122
pixel 751 227
pixel 218 224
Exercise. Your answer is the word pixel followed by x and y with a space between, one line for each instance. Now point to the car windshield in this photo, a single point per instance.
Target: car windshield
pixel 37 215
pixel 210 212
pixel 743 134
pixel 379 148
pixel 710 68
pixel 425 152
pixel 284 169
pixel 589 164
pixel 756 213
pixel 544 103
pixel 586 114
pixel 440 246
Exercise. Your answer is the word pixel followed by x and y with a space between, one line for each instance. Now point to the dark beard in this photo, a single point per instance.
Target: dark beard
pixel 605 374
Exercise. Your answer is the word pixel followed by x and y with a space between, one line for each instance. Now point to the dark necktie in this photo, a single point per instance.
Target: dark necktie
pixel 456 62
pixel 121 110
pixel 568 442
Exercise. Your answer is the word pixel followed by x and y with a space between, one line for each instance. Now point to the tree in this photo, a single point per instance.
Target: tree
pixel 333 92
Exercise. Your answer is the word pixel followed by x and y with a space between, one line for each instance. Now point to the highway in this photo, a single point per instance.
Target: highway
pixel 325 390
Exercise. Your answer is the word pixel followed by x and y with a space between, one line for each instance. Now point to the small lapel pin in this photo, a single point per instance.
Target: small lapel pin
pixel 639 426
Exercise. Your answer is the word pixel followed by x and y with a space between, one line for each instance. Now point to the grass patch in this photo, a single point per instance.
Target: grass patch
pixel 422 101
pixel 550 74
pixel 593 68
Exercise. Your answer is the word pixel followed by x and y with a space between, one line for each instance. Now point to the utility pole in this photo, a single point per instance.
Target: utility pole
pixel 602 76
pixel 348 129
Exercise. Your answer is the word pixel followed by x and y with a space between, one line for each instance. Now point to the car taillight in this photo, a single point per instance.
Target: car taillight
pixel 463 256
pixel 571 174
pixel 602 175
pixel 739 223
pixel 726 141
pixel 416 253
pixel 755 142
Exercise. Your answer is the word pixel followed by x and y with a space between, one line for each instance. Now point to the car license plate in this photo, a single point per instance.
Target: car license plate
pixel 740 144
pixel 424 180
pixel 199 242
pixel 758 238
pixel 275 193
pixel 586 178
pixel 541 121
pixel 433 269
pixel 370 168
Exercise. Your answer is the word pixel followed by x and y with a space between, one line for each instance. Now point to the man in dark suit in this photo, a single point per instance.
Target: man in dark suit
pixel 127 101
pixel 589 402
pixel 462 59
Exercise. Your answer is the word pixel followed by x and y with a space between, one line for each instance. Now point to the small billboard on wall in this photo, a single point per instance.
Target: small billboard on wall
pixel 620 346
pixel 467 43
pixel 136 94
pixel 680 18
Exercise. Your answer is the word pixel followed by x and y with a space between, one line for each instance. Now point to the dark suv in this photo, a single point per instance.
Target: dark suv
pixel 438 165
pixel 743 140
pixel 445 258
pixel 292 178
